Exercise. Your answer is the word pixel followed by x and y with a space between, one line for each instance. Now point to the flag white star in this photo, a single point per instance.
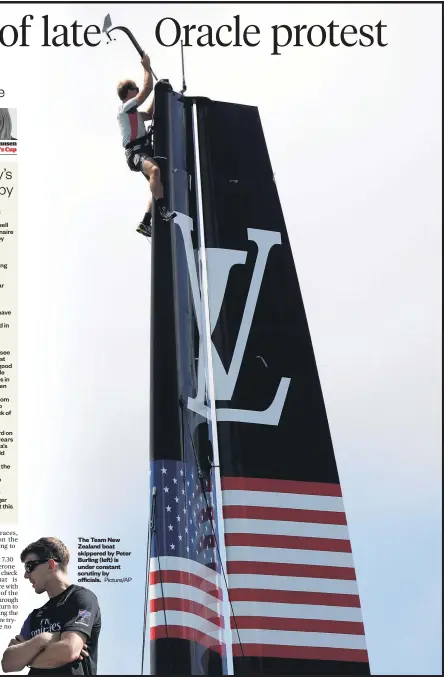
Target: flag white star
pixel 181 472
pixel 176 499
pixel 166 490
pixel 168 508
pixel 170 527
pixel 172 546
pixel 180 537
pixel 178 518
pixel 164 470
pixel 174 480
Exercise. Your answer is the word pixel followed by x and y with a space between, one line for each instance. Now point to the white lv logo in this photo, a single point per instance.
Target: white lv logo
pixel 219 264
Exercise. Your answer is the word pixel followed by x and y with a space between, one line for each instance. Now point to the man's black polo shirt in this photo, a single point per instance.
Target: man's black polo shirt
pixel 76 609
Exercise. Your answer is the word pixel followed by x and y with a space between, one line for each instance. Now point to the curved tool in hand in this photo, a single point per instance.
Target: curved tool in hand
pixel 108 28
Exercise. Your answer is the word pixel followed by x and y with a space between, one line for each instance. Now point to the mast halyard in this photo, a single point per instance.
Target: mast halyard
pixel 208 358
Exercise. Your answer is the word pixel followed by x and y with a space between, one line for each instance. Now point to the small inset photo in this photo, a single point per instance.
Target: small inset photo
pixel 8 131
pixel 8 124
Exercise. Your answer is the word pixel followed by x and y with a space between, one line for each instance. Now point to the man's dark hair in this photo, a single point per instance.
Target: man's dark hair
pixel 48 548
pixel 124 87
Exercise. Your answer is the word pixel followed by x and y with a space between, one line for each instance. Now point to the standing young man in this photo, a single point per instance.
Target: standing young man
pixel 61 636
pixel 138 149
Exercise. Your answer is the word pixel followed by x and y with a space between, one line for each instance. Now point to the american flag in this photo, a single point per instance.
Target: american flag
pixel 185 589
pixel 290 571
pixel 292 583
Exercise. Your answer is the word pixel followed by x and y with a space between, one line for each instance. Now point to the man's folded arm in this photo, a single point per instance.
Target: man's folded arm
pixel 20 655
pixel 65 651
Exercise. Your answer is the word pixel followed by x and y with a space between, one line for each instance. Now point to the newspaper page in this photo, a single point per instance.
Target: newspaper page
pixel 113 296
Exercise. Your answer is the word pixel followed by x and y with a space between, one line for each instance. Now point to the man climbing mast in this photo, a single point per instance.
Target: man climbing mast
pixel 136 141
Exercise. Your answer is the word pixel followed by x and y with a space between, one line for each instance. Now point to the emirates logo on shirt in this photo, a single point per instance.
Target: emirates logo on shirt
pixel 46 626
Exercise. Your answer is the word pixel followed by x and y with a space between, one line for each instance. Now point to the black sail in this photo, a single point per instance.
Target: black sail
pixel 240 445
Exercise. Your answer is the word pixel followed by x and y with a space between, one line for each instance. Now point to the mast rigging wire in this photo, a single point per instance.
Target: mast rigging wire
pixel 210 512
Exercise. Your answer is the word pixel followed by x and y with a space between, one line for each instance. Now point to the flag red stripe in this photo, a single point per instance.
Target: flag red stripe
pixel 187 606
pixel 284 514
pixel 184 578
pixel 284 486
pixel 292 597
pixel 305 652
pixel 180 632
pixel 298 570
pixel 293 542
pixel 296 624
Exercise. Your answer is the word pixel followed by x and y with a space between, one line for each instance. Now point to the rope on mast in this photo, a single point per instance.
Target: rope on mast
pixel 163 600
pixel 152 535
pixel 200 475
pixel 151 529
